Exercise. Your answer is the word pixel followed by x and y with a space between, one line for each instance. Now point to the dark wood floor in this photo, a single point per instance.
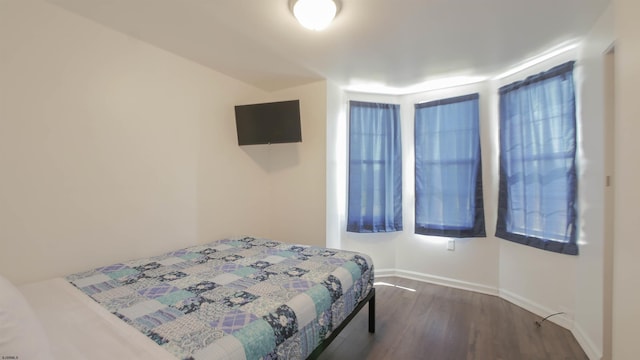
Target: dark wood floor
pixel 441 323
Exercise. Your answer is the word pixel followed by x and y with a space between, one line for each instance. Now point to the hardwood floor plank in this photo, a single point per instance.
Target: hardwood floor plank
pixel 435 322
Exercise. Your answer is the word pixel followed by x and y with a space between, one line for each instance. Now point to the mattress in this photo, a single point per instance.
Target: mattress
pixel 78 328
pixel 240 298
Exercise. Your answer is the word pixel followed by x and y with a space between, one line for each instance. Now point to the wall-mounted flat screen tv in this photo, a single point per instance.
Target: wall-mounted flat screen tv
pixel 268 123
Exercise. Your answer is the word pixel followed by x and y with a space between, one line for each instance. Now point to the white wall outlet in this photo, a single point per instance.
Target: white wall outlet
pixel 451 245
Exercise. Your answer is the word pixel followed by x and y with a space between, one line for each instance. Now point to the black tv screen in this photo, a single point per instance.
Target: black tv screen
pixel 268 123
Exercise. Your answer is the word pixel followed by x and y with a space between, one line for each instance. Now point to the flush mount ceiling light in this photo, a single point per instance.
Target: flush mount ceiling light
pixel 314 14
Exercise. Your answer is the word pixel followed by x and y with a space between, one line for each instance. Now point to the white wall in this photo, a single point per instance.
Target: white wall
pixel 540 281
pixel 474 263
pixel 626 292
pixel 336 155
pixel 289 192
pixel 382 246
pixel 297 172
pixel 543 281
pixel 111 149
pixel 481 264
pixel 590 280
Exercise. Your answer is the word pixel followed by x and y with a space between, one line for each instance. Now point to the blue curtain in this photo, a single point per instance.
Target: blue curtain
pixel 448 168
pixel 375 168
pixel 537 196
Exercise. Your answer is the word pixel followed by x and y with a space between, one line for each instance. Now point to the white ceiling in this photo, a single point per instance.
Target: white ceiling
pixel 395 43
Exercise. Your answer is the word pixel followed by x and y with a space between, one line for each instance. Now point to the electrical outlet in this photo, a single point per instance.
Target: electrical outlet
pixel 451 245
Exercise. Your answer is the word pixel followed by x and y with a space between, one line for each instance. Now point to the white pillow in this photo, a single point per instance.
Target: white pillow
pixel 21 334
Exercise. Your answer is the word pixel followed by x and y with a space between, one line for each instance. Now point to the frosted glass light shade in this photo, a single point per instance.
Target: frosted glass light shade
pixel 315 14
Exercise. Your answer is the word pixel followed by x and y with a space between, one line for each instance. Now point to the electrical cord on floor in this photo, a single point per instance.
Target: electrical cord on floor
pixel 539 323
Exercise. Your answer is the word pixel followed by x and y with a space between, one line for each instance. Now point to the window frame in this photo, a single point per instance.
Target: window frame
pixel 522 235
pixel 362 224
pixel 477 229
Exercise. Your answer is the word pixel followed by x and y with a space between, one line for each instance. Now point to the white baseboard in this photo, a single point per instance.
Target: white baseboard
pixel 384 272
pixel 439 280
pixel 564 320
pixel 585 342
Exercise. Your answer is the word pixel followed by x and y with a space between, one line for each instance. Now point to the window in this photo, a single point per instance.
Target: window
pixel 537 198
pixel 375 168
pixel 448 168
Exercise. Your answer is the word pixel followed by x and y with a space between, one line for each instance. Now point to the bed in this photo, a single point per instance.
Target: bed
pixel 238 298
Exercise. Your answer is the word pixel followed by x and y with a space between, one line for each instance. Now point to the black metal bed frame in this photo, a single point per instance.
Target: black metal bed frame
pixel 371 300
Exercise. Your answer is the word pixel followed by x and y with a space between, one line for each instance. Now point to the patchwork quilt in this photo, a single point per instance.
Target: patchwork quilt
pixel 241 298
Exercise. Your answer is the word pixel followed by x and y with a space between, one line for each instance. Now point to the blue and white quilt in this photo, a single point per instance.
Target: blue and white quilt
pixel 242 298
